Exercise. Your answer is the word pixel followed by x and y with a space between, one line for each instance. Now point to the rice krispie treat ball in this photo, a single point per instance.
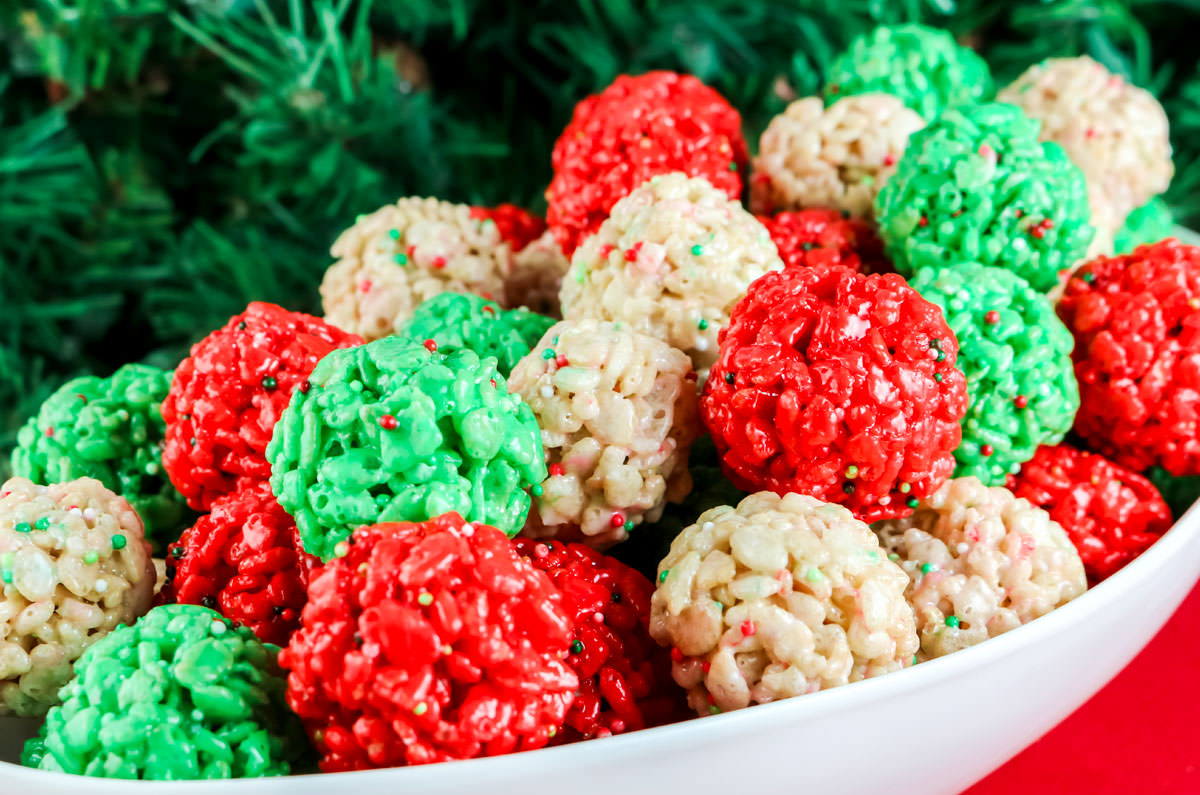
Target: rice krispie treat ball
pixel 839 157
pixel 1111 514
pixel 392 260
pixel 426 643
pixel 637 128
pixel 822 237
pixel 977 185
pixel 779 597
pixel 110 429
pixel 1150 223
pixel 455 321
pixel 838 385
pixel 536 277
pixel 923 66
pixel 672 259
pixel 1016 355
pixel 618 413
pixel 1136 321
pixel 980 562
pixel 394 430
pixel 182 694
pixel 73 566
pixel 1114 131
pixel 227 395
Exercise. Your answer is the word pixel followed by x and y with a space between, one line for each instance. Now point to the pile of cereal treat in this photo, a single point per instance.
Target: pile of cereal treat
pixel 531 482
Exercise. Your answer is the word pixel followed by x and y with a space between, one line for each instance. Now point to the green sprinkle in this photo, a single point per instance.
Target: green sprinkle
pixel 702 324
pixel 394 234
pixel 852 471
pixel 938 377
pixel 420 709
pixel 549 354
pixel 6 575
pixel 927 567
pixel 537 490
pixel 893 557
pixel 576 646
pixel 912 502
pixel 813 575
pixel 733 165
pixel 23 527
pixel 729 378
pixel 628 525
pixel 400 259
pixel 269 382
pixel 952 622
pixel 848 488
pixel 42 524
pixel 425 599
pixel 1088 276
pixel 713 709
pixel 662 575
pixel 91 557
pixel 118 541
pixel 697 250
pixel 941 356
pixel 905 487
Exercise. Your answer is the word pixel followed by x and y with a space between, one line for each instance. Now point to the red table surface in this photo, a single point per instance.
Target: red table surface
pixel 1137 735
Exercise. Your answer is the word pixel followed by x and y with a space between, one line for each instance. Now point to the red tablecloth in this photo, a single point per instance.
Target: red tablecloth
pixel 1138 735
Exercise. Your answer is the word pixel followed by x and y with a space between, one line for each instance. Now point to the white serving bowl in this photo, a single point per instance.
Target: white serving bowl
pixel 935 728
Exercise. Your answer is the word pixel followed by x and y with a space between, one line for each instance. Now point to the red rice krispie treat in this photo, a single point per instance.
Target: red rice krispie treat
pixel 779 597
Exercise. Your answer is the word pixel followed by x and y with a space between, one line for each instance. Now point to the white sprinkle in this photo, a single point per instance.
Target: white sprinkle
pixel 468 531
pixel 218 628
pixel 75 512
pixel 885 500
pixel 546 391
pixel 701 344
pixel 101 586
pixel 962 547
pixel 89 514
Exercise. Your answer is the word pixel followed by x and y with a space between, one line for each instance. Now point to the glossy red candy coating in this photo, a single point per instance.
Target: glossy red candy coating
pixel 227 395
pixel 429 642
pixel 244 560
pixel 1110 513
pixel 824 237
pixel 1136 321
pixel 636 128
pixel 837 385
pixel 624 676
pixel 517 227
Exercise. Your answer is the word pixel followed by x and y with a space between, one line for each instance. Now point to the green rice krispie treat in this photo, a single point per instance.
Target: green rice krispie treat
pixel 977 186
pixel 110 429
pixel 396 431
pixel 1149 223
pixel 1016 355
pixel 923 66
pixel 455 321
pixel 182 694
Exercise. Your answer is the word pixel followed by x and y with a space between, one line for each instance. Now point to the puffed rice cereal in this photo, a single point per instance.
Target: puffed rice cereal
pixel 405 253
pixel 840 156
pixel 672 259
pixel 779 597
pixel 1114 131
pixel 536 277
pixel 618 413
pixel 74 564
pixel 980 562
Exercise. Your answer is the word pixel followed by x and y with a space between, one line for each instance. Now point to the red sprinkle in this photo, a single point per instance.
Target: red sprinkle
pixel 439 262
pixel 1020 401
pixel 986 449
pixel 555 470
pixel 889 159
pixel 923 221
pixel 748 628
pixel 992 317
pixel 387 422
pixel 616 520
pixel 430 346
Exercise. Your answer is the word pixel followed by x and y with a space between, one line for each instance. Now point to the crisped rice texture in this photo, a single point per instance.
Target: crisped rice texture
pixel 1110 514
pixel 671 261
pixel 823 237
pixel 227 395
pixel 1147 224
pixel 838 385
pixel 427 643
pixel 1114 131
pixel 1016 355
pixel 624 676
pixel 1180 493
pixel 393 431
pixel 243 559
pixel 182 694
pixel 536 277
pixel 617 412
pixel 1136 321
pixel 839 157
pixel 517 226
pixel 405 253
pixel 637 128
pixel 923 66
pixel 976 185
pixel 455 321
pixel 110 429
pixel 980 562
pixel 779 597
pixel 73 566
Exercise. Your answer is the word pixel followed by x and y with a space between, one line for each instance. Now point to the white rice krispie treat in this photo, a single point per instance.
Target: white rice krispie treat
pixel 73 565
pixel 618 413
pixel 405 253
pixel 779 597
pixel 672 259
pixel 536 277
pixel 840 156
pixel 980 562
pixel 1114 131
